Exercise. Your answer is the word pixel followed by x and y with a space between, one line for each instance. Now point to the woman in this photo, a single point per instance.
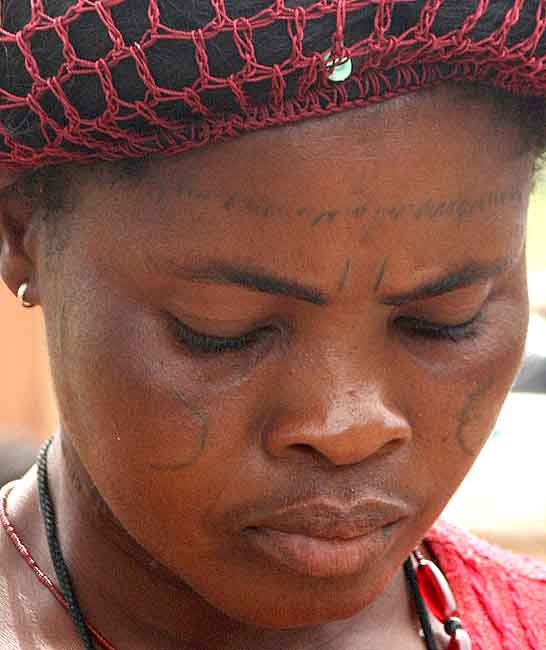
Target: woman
pixel 277 356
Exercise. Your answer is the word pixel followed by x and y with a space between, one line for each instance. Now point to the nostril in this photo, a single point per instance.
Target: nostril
pixel 301 447
pixel 307 453
pixel 391 446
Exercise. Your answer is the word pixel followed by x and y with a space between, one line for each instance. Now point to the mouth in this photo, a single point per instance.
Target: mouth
pixel 326 540
pixel 322 558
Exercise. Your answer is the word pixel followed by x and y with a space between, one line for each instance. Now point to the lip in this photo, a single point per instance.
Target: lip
pixel 325 538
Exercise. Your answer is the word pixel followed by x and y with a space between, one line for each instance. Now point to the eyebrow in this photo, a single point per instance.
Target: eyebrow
pixel 256 279
pixel 252 278
pixel 453 280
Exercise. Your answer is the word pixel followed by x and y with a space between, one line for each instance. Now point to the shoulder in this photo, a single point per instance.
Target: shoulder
pixel 459 546
pixel 9 591
pixel 501 595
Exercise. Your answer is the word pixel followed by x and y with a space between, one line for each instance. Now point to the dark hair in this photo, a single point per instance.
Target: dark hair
pixel 172 66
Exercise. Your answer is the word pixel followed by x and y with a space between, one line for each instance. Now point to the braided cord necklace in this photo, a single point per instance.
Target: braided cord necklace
pixel 61 570
pixel 440 601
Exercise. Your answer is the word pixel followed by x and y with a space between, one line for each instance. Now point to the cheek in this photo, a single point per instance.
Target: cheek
pixel 456 410
pixel 490 374
pixel 126 395
pixel 129 399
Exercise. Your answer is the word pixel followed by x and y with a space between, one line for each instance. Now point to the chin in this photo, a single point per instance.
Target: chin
pixel 300 610
pixel 284 620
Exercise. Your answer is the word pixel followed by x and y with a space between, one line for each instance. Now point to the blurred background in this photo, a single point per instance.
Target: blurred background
pixel 503 498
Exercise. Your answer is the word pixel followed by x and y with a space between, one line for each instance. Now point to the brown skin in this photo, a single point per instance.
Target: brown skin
pixel 339 400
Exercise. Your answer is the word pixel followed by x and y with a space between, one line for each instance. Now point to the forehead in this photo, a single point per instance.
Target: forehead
pixel 439 145
pixel 429 181
pixel 421 136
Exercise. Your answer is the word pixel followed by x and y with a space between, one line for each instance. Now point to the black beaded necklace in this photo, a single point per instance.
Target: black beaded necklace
pixel 67 589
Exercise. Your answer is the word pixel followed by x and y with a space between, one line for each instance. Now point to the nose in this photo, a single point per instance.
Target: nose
pixel 345 429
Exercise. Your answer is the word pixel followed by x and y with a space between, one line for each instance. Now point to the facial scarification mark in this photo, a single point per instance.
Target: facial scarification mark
pixel 359 211
pixel 467 415
pixel 199 439
pixel 233 202
pixel 365 233
pixel 326 215
pixel 461 209
pixel 345 275
pixel 381 276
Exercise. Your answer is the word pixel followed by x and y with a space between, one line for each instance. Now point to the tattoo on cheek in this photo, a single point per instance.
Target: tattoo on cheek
pixel 190 443
pixel 468 414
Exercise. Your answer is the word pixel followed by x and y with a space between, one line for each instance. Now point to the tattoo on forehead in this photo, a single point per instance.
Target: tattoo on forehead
pixel 254 206
pixel 460 208
pixel 468 414
pixel 234 202
pixel 345 275
pixel 381 275
pixel 326 215
pixel 198 439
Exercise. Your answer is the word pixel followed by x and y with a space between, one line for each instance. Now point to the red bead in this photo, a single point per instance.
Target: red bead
pixel 435 590
pixel 461 641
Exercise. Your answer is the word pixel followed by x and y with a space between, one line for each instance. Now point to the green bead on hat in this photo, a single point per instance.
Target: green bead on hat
pixel 341 69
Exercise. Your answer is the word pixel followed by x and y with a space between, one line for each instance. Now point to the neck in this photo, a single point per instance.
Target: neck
pixel 135 602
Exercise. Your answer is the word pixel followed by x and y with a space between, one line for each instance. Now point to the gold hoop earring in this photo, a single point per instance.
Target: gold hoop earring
pixel 21 295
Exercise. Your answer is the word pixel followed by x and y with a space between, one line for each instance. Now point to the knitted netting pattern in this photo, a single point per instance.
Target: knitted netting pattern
pixel 109 79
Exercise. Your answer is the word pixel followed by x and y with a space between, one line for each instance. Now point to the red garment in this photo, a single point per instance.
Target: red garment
pixel 501 596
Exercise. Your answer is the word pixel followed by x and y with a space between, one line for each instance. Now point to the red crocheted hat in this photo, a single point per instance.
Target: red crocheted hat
pixel 107 79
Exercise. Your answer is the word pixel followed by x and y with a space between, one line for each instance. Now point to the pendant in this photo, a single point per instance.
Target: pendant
pixel 461 641
pixel 440 600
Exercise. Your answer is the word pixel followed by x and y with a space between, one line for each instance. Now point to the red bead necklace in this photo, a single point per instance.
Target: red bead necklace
pixel 440 601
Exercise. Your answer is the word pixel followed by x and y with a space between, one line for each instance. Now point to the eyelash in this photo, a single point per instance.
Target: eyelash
pixel 217 345
pixel 207 344
pixel 452 334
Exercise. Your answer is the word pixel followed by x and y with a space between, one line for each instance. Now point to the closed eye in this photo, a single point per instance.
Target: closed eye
pixel 200 343
pixel 207 344
pixel 453 333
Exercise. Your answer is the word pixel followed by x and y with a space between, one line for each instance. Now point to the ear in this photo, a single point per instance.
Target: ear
pixel 17 259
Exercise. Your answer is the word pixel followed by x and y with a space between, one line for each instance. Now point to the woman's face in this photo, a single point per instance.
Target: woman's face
pixel 309 329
